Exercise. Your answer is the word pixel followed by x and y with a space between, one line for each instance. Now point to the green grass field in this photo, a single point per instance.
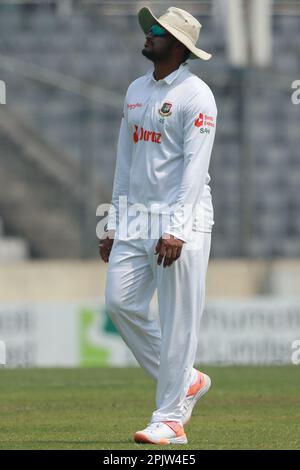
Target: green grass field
pixel 246 408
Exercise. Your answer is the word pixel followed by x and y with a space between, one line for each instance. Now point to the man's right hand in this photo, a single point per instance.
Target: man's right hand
pixel 106 244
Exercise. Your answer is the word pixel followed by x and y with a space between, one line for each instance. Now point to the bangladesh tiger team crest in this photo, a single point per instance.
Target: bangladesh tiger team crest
pixel 165 110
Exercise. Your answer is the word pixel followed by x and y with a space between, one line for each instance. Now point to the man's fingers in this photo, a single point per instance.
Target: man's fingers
pixel 105 255
pixel 168 250
pixel 158 245
pixel 159 259
pixel 168 257
pixel 162 252
pixel 104 252
pixel 179 249
pixel 105 247
pixel 175 255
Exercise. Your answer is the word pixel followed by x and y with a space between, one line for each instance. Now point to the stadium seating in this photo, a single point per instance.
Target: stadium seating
pixel 105 52
pixel 12 248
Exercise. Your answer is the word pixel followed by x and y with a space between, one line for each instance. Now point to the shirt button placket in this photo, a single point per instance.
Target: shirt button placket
pixel 150 104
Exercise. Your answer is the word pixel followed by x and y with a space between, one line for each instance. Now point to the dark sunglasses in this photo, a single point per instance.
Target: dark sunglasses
pixel 157 30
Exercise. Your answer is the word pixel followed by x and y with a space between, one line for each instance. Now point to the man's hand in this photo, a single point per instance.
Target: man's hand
pixel 168 248
pixel 106 244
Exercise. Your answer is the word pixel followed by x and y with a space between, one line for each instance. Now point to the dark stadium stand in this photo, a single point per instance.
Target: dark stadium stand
pixel 11 248
pixel 105 51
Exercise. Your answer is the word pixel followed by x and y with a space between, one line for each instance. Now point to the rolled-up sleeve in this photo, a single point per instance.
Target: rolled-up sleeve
pixel 199 127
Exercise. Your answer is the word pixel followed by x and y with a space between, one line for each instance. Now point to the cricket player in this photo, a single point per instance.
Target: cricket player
pixel 163 155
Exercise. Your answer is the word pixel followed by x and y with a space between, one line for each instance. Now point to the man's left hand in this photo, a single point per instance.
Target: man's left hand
pixel 168 248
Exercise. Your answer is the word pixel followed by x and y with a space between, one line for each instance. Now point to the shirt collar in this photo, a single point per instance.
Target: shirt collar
pixel 169 78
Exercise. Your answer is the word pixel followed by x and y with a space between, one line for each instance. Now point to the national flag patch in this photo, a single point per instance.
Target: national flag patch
pixel 165 110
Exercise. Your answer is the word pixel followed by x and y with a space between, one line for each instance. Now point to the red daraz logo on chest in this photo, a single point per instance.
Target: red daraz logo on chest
pixel 146 136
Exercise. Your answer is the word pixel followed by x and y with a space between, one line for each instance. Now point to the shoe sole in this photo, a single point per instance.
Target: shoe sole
pixel 197 397
pixel 141 438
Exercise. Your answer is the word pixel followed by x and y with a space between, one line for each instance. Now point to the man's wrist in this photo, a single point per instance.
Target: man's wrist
pixel 110 234
pixel 167 234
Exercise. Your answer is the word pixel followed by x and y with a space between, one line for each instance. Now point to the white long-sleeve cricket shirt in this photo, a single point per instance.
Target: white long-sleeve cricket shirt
pixel 164 149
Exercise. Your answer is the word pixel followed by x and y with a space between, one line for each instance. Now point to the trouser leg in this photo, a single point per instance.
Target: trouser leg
pixel 181 294
pixel 130 286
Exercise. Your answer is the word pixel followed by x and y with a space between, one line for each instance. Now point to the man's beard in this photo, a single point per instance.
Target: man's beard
pixel 159 56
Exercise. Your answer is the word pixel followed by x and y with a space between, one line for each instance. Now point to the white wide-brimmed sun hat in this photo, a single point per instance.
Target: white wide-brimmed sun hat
pixel 181 24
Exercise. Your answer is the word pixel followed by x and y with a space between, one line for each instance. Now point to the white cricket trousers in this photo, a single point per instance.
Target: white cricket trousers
pixel 165 348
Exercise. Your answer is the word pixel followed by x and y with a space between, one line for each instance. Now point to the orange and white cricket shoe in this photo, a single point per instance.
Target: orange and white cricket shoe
pixel 162 433
pixel 195 392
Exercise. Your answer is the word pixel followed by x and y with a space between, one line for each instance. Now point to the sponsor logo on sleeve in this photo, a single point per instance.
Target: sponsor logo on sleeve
pixel 204 122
